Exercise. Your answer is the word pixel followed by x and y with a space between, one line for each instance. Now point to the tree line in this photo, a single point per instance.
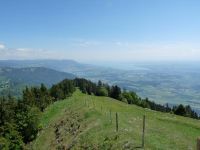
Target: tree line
pixel 19 123
pixel 130 97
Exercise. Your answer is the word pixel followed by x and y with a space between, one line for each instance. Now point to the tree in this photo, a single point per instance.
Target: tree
pixel 28 97
pixel 43 89
pixel 45 98
pixel 28 122
pixel 54 92
pixel 7 108
pixel 100 83
pixel 180 110
pixel 115 92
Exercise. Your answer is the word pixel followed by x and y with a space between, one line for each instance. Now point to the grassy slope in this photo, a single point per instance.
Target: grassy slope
pixel 96 131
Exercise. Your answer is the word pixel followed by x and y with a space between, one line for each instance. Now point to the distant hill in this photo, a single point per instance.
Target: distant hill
pixel 69 66
pixel 13 80
pixel 60 65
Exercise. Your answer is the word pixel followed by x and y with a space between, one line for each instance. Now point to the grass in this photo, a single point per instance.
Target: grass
pixel 84 122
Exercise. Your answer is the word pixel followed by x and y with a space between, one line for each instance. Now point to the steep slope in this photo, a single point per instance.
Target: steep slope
pixel 14 79
pixel 84 122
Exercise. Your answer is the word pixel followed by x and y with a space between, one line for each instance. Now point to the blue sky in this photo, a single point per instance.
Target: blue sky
pixel 100 30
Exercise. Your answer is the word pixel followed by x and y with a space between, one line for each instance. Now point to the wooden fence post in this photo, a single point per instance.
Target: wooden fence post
pixel 93 104
pixel 110 116
pixel 198 143
pixel 117 126
pixel 143 131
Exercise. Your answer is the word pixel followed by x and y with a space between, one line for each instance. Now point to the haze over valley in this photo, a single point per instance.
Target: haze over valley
pixel 163 82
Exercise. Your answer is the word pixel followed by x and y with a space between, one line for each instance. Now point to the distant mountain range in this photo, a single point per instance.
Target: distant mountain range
pixel 13 80
pixel 59 65
pixel 69 66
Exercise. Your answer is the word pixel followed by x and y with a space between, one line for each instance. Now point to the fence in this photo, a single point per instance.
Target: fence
pixel 92 104
pixel 88 104
pixel 198 143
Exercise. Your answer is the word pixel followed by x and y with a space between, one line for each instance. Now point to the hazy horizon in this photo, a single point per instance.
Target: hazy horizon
pixel 125 65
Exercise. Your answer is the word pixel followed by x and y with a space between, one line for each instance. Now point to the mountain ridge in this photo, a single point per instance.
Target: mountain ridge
pixel 13 80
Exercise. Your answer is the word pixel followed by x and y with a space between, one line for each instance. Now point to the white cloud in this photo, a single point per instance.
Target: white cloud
pixel 26 53
pixel 130 51
pixel 2 46
pixel 84 43
pixel 23 49
pixel 89 50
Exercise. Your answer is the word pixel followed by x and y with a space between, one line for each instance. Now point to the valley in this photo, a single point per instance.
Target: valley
pixel 166 82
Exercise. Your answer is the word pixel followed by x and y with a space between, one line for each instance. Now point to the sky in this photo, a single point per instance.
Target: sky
pixel 100 30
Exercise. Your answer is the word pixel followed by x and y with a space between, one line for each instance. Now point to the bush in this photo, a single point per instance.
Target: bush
pixel 11 137
pixel 4 144
pixel 102 91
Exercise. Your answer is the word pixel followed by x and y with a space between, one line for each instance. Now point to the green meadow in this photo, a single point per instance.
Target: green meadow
pixel 88 122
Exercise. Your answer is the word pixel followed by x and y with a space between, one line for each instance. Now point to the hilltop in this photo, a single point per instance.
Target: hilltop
pixel 83 122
